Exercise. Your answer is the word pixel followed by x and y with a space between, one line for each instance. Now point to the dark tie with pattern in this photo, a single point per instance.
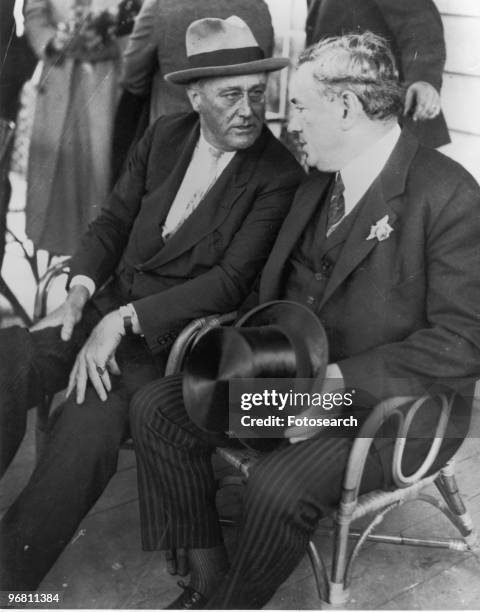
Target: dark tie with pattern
pixel 336 206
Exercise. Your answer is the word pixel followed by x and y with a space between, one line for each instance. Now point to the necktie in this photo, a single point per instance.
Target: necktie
pixel 336 205
pixel 198 180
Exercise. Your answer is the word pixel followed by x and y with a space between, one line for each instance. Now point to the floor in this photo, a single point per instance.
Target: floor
pixel 104 567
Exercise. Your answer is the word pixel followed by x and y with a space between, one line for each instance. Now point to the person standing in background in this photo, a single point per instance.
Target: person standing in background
pixel 16 65
pixel 69 161
pixel 17 60
pixel 415 32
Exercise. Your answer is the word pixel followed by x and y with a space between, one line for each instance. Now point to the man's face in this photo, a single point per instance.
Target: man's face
pixel 232 109
pixel 315 119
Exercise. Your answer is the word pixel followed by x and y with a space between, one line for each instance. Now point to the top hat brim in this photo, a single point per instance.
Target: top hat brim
pixel 270 64
pixel 207 373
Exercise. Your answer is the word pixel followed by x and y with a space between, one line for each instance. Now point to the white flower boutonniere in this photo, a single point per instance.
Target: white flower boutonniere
pixel 381 230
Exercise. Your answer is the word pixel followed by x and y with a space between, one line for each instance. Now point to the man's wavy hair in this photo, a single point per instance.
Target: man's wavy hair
pixel 363 64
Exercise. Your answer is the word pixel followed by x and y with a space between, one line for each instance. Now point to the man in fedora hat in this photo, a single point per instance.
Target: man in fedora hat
pixel 185 232
pixel 381 244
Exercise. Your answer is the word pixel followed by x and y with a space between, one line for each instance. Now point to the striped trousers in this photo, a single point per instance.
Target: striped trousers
pixel 288 491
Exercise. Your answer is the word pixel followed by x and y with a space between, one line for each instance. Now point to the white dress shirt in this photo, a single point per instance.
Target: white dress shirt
pixel 206 165
pixel 359 174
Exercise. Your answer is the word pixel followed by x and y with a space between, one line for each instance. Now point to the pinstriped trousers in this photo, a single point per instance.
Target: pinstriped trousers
pixel 288 491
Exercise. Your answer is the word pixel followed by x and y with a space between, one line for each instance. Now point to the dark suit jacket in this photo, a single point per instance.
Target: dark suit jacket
pixel 415 32
pixel 209 264
pixel 400 313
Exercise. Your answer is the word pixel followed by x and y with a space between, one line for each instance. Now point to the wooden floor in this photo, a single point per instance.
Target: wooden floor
pixel 104 566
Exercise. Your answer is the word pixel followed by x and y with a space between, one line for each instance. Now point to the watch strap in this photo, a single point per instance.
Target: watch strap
pixel 126 314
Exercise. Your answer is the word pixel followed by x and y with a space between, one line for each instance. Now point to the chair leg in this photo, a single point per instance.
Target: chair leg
pixel 338 590
pixel 319 571
pixel 447 485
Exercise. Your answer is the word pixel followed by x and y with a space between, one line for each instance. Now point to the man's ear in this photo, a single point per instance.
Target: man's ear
pixel 193 94
pixel 351 109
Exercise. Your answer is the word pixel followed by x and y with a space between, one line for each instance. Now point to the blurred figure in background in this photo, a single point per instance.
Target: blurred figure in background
pixel 415 32
pixel 69 161
pixel 16 65
pixel 17 60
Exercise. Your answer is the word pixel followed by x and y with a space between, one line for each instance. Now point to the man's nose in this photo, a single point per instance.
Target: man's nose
pixel 245 107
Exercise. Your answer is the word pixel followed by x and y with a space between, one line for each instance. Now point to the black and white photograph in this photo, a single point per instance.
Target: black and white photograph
pixel 240 304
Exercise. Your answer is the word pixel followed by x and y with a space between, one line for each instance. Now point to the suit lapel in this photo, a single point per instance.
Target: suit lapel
pixel 171 170
pixel 214 207
pixel 381 199
pixel 307 199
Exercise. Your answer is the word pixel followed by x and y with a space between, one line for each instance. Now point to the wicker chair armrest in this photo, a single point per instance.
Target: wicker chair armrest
pixel 44 286
pixel 404 410
pixel 190 335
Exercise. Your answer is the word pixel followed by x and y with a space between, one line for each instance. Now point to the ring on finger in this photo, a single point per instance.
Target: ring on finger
pixel 100 370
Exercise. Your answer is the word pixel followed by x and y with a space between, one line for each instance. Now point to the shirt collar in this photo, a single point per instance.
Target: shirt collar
pixel 360 173
pixel 203 147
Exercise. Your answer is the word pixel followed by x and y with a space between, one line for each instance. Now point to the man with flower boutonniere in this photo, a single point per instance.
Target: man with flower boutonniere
pixel 381 245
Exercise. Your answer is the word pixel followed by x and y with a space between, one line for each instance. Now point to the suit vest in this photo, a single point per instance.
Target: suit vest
pixel 313 259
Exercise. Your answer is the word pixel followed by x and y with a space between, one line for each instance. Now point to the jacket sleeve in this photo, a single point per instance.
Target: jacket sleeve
pixel 222 288
pixel 39 26
pixel 418 32
pixel 447 346
pixel 140 56
pixel 102 245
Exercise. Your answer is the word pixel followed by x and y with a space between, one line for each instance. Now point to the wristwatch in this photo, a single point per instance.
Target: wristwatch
pixel 127 313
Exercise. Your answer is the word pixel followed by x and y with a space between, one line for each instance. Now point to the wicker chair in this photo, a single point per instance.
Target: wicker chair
pixel 334 586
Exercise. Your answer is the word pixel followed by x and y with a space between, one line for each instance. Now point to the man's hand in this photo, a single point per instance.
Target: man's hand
pixel 97 358
pixel 422 101
pixel 68 314
pixel 333 383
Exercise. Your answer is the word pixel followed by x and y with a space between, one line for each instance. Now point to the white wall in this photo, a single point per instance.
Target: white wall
pixel 461 86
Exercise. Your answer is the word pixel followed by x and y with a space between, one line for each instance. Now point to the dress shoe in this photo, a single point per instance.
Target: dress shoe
pixel 190 599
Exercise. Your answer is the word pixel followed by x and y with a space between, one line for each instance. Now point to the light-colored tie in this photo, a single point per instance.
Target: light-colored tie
pixel 199 179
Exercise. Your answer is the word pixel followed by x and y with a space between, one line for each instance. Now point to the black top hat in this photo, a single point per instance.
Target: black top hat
pixel 279 339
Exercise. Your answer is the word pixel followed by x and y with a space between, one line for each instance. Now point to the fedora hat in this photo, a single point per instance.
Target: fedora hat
pixel 222 47
pixel 279 339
